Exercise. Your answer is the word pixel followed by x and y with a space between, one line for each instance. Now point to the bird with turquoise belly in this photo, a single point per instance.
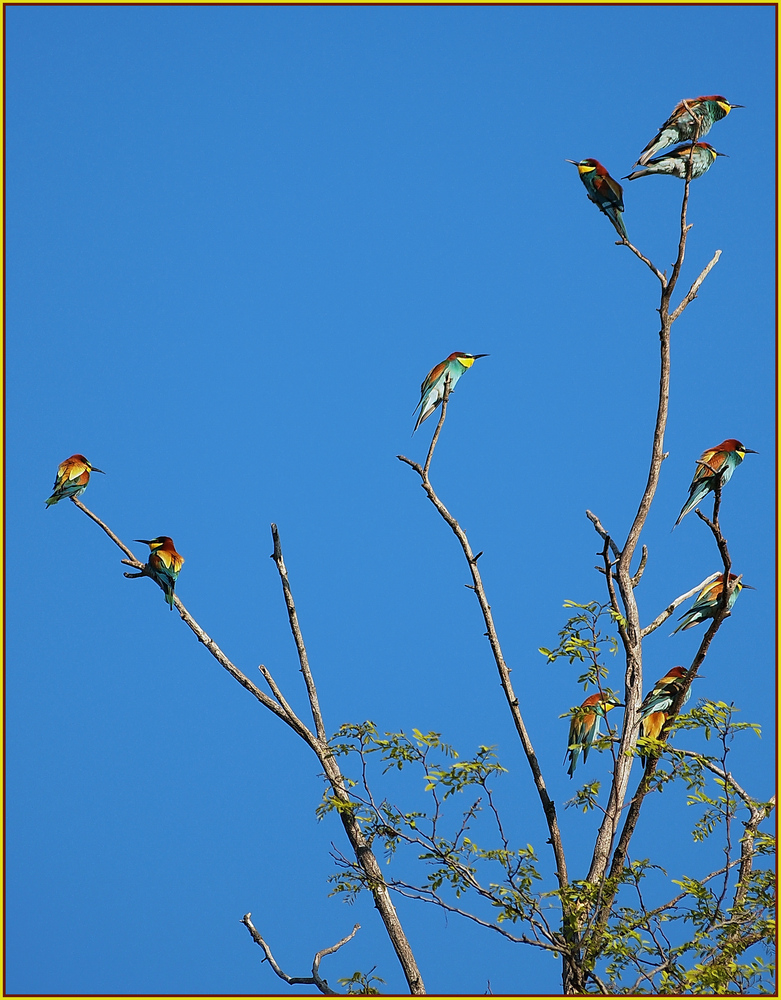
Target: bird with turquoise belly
pixel 676 162
pixel 692 118
pixel 714 466
pixel 708 601
pixel 432 391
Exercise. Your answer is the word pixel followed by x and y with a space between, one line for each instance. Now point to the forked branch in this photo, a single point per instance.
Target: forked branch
pixel 315 979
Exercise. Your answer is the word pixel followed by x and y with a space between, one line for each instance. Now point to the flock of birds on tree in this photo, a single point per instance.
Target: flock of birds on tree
pixel 688 123
pixel 690 119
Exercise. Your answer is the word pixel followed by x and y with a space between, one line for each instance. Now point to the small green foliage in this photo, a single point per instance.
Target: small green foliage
pixel 363 982
pixel 582 641
pixel 714 717
pixel 585 798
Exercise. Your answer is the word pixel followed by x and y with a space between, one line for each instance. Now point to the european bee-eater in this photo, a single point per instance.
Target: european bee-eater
pixel 676 162
pixel 658 701
pixel 584 727
pixel 715 465
pixel 683 123
pixel 72 478
pixel 607 194
pixel 432 391
pixel 707 601
pixel 164 564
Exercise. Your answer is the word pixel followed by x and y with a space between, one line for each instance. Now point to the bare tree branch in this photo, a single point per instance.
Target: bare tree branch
pixel 315 979
pixel 133 561
pixel 295 628
pixel 282 710
pixel 662 278
pixel 504 671
pixel 692 293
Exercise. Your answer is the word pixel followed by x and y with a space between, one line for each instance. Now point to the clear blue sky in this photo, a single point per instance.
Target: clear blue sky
pixel 238 238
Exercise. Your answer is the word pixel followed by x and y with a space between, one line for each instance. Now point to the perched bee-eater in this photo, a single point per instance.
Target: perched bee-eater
pixel 607 194
pixel 683 123
pixel 707 601
pixel 72 478
pixel 584 727
pixel 432 391
pixel 676 162
pixel 164 564
pixel 658 701
pixel 715 465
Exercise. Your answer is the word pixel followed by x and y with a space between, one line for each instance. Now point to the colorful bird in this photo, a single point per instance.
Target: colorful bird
pixel 707 602
pixel 658 701
pixel 72 478
pixel 703 156
pixel 607 194
pixel 714 466
pixel 164 564
pixel 692 122
pixel 433 389
pixel 584 727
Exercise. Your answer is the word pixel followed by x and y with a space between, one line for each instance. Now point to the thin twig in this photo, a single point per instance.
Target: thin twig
pixel 443 409
pixel 662 278
pixel 603 533
pixel 721 773
pixel 638 576
pixel 133 561
pixel 692 293
pixel 295 628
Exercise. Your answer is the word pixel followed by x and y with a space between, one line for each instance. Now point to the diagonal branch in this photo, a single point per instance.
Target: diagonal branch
pixel 504 671
pixel 692 293
pixel 133 561
pixel 295 628
pixel 208 642
pixel 662 278
pixel 363 853
pixel 315 979
pixel 664 615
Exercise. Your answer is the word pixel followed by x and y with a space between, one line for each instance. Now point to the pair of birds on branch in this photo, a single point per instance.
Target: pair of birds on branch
pixel 690 120
pixel 164 561
pixel 584 729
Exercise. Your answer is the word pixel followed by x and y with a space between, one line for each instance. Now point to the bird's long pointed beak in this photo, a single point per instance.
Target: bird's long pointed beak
pixel 737 106
pixel 720 154
pixel 144 540
pixel 747 586
pixel 571 161
pixel 93 469
pixel 481 356
pixel 750 451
